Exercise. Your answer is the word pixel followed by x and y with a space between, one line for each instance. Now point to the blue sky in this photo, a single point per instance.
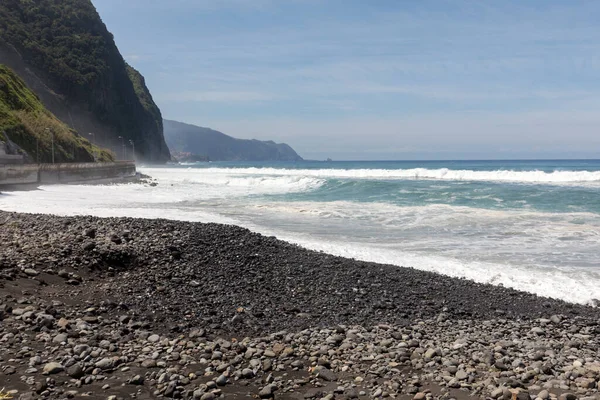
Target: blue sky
pixel 381 79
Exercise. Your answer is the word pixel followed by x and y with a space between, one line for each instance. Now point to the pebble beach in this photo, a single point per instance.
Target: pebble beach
pixel 119 308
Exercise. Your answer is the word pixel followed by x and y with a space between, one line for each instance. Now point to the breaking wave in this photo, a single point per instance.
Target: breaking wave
pixel 442 174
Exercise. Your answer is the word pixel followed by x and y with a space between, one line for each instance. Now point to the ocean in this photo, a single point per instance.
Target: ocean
pixel 529 225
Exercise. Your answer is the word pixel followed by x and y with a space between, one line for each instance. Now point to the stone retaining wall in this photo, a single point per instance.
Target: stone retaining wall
pixel 64 173
pixel 71 173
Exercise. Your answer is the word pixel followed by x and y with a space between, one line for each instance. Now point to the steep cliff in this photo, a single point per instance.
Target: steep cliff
pixel 146 100
pixel 28 128
pixel 64 52
pixel 218 146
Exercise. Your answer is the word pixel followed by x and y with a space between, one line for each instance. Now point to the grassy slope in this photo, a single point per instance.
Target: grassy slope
pixel 25 120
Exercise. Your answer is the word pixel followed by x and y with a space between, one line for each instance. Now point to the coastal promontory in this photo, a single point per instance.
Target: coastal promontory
pixel 216 146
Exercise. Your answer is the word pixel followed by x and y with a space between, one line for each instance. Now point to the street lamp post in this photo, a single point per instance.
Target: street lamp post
pixel 52 139
pixel 123 146
pixel 132 149
pixel 93 148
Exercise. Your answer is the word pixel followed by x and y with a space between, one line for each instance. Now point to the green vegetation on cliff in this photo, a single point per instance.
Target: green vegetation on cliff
pixel 143 94
pixel 64 38
pixel 25 121
pixel 69 47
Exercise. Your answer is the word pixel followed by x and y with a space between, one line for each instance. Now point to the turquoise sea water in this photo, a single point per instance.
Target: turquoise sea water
pixel 543 185
pixel 531 225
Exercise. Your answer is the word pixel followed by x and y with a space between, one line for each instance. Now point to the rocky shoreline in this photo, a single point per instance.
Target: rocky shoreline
pixel 130 308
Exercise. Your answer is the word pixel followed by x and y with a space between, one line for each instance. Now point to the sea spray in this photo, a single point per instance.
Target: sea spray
pixel 534 226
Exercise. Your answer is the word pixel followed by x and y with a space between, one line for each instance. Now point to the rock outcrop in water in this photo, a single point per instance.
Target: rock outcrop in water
pixel 65 54
pixel 217 146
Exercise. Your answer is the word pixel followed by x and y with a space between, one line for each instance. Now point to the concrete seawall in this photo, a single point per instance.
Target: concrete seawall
pixel 16 174
pixel 30 174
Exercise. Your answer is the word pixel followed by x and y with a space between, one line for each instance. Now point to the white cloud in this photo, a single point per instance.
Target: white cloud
pixel 482 92
pixel 133 57
pixel 215 96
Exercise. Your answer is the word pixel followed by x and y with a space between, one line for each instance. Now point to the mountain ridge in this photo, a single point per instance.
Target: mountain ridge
pixel 218 146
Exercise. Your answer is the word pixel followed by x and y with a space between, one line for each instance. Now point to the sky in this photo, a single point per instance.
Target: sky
pixel 380 79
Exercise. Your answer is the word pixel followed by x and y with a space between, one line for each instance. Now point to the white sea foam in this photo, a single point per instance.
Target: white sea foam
pixel 225 183
pixel 531 251
pixel 573 285
pixel 532 238
pixel 442 174
pixel 128 200
pixel 538 252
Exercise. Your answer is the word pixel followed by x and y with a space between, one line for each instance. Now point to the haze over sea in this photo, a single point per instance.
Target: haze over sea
pixel 530 225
